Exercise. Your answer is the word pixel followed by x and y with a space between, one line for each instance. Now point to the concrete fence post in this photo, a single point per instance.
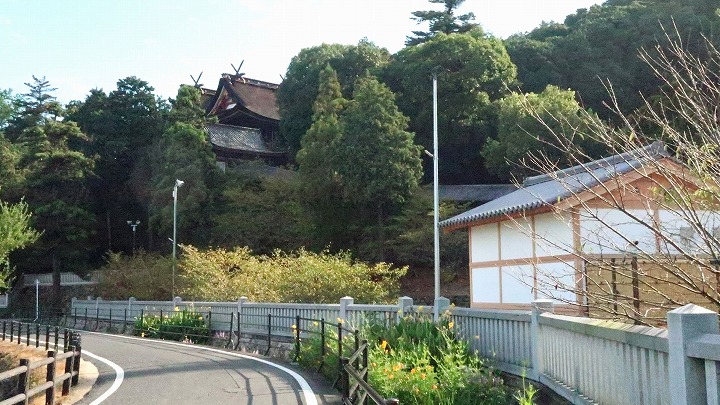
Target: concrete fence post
pixel 72 304
pixel 403 303
pixel 97 303
pixel 176 302
pixel 240 303
pixel 131 301
pixel 344 302
pixel 539 307
pixel 687 374
pixel 441 304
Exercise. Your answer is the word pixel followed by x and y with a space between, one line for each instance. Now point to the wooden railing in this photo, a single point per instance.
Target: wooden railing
pixel 70 355
pixel 354 380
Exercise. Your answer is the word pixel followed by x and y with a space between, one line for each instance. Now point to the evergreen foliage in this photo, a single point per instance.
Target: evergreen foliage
pixel 444 21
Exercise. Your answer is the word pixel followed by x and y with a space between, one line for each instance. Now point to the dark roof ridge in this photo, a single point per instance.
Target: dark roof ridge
pixel 653 151
pixel 230 126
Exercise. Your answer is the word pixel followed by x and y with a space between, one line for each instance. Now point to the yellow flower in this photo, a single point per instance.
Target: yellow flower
pixel 199 318
pixel 422 376
pixel 293 327
pixel 434 387
pixel 420 308
pixel 177 309
pixel 450 325
pixel 384 344
pixel 390 376
pixel 142 334
pixel 315 323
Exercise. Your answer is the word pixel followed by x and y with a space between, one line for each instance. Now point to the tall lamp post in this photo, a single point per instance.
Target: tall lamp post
pixel 178 183
pixel 436 194
pixel 133 225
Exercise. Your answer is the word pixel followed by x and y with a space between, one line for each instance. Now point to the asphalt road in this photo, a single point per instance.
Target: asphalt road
pixel 143 371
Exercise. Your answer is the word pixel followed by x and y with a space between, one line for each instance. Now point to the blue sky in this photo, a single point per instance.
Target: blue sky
pixel 79 45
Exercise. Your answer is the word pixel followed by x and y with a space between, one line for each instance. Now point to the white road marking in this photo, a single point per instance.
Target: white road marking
pixel 119 376
pixel 307 391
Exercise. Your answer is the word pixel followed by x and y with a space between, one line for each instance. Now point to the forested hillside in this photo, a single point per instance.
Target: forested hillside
pixel 356 120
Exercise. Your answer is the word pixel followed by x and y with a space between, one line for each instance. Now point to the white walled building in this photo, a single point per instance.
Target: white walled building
pixel 533 243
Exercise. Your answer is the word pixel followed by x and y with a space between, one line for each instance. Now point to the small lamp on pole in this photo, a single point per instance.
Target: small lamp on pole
pixel 178 183
pixel 133 225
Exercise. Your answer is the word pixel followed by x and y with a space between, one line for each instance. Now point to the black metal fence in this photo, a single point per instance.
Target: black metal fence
pixel 335 339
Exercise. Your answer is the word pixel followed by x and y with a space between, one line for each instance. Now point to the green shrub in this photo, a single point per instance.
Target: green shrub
pixel 145 276
pixel 302 276
pixel 182 325
pixel 418 362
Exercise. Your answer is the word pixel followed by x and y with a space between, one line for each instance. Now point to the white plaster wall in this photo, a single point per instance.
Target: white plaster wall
pixel 557 281
pixel 686 236
pixel 486 285
pixel 517 283
pixel 516 239
pixel 484 243
pixel 554 234
pixel 613 231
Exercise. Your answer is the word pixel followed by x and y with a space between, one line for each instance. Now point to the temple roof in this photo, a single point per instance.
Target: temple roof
pixel 240 139
pixel 254 96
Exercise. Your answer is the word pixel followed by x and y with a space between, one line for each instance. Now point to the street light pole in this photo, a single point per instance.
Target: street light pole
pixel 436 194
pixel 178 183
pixel 133 225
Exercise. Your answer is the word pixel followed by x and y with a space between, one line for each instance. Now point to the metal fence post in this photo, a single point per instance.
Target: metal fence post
pixel 27 335
pixel 57 333
pixel 237 344
pixel 297 337
pixel 47 337
pixel 229 342
pixel 269 336
pixel 687 374
pixel 37 335
pixel 12 331
pixel 209 322
pixel 340 349
pixel 4 326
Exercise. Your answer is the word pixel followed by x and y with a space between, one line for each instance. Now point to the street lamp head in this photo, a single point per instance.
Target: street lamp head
pixel 179 183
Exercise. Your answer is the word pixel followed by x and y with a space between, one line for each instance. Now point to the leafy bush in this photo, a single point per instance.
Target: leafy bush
pixel 417 361
pixel 186 325
pixel 420 362
pixel 145 276
pixel 302 276
pixel 311 355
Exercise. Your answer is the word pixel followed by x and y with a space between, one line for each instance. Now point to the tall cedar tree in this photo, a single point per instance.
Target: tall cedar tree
pixel 319 181
pixel 444 21
pixel 54 186
pixel 376 162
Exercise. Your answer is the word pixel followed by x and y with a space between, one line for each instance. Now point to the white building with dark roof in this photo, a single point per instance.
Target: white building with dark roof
pixel 534 242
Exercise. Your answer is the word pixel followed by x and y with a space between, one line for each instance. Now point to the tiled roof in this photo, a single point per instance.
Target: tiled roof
pixel 238 138
pixel 474 192
pixel 549 189
pixel 257 96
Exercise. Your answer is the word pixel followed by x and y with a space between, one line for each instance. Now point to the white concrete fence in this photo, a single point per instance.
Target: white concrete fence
pixel 586 361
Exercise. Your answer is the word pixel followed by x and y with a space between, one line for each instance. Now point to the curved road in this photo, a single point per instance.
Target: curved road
pixel 142 371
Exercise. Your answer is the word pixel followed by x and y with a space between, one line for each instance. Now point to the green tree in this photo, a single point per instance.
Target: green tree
pixel 376 162
pixel 600 44
pixel 444 21
pixel 520 132
pixel 124 125
pixel 15 233
pixel 473 71
pixel 300 86
pixel 261 213
pixel 320 185
pixel 184 153
pixel 55 176
pixel 8 105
